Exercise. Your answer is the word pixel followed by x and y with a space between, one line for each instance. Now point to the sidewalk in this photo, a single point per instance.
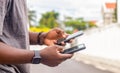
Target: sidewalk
pixel 99 62
pixel 104 43
pixel 102 48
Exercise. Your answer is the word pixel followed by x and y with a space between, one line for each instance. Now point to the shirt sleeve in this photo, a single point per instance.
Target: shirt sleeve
pixel 2 14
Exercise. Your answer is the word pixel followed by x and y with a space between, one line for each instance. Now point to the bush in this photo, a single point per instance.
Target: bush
pixel 38 29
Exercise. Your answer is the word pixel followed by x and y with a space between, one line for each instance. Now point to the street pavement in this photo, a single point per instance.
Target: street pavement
pixel 69 66
pixel 102 42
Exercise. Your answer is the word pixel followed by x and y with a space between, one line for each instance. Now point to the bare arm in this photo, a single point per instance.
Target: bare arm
pixel 48 38
pixel 11 55
pixel 34 38
pixel 51 56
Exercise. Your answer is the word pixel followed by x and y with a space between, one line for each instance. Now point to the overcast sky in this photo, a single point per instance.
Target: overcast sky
pixel 88 9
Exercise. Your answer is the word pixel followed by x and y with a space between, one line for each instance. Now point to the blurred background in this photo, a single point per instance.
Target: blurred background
pixel 100 21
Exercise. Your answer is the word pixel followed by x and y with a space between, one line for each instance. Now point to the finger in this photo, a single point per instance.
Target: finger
pixel 55 41
pixel 63 44
pixel 59 48
pixel 59 31
pixel 67 34
pixel 64 35
pixel 71 41
pixel 66 56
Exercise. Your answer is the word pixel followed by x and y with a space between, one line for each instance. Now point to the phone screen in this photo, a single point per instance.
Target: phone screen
pixel 72 36
pixel 74 49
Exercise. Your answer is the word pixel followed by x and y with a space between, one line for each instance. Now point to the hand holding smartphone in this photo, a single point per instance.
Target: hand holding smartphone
pixel 72 36
pixel 74 49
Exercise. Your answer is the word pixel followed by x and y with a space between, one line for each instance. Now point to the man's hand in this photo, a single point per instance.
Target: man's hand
pixel 51 55
pixel 53 35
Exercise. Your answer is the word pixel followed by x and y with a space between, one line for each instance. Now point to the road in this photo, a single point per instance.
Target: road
pixel 69 66
pixel 103 43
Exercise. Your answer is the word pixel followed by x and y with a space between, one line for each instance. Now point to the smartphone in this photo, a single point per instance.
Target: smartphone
pixel 74 49
pixel 72 36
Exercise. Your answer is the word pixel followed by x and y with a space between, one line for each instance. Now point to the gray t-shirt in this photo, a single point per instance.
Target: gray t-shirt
pixel 13 30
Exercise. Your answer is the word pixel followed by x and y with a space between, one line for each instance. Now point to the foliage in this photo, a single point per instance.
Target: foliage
pixel 79 24
pixel 115 14
pixel 31 17
pixel 69 31
pixel 49 19
pixel 38 29
pixel 92 24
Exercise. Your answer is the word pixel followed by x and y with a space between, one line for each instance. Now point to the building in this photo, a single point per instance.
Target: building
pixel 118 10
pixel 108 13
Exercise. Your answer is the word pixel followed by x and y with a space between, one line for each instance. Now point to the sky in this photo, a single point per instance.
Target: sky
pixel 88 9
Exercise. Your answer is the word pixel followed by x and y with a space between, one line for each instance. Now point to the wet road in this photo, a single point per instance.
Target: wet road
pixel 69 66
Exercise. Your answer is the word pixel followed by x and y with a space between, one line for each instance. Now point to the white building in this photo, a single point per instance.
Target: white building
pixel 118 10
pixel 108 11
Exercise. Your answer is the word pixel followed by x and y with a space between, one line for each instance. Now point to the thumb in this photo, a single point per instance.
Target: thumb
pixel 66 56
pixel 59 48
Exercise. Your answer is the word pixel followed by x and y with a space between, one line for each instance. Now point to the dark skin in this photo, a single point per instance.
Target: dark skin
pixel 12 55
pixel 51 55
pixel 55 57
pixel 51 40
pixel 51 37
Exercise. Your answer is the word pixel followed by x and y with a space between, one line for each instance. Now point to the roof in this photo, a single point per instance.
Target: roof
pixel 110 5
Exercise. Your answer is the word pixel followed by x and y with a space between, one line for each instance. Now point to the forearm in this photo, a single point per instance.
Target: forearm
pixel 33 38
pixel 11 55
pixel 36 38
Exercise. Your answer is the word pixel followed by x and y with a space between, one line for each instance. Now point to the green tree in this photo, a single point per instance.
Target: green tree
pixel 115 13
pixel 49 19
pixel 79 24
pixel 31 17
pixel 76 24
